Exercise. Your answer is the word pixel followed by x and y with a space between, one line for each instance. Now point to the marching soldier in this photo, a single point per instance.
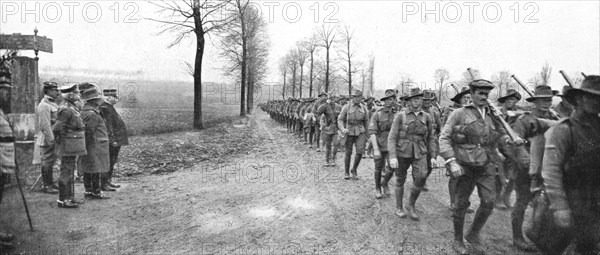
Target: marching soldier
pixel 564 108
pixel 117 134
pixel 410 140
pixel 322 100
pixel 570 169
pixel 466 143
pixel 96 163
pixel 428 100
pixel 69 135
pixel 353 122
pixel 7 144
pixel 527 126
pixel 461 99
pixel 45 116
pixel 505 182
pixel 379 129
pixel 329 113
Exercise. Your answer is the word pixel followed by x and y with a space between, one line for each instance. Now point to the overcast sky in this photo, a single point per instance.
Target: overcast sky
pixel 564 33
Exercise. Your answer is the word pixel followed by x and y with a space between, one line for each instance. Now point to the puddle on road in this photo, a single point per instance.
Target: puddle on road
pixel 300 203
pixel 263 212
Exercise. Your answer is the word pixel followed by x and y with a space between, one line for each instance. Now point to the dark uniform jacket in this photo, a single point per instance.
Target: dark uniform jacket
pixel 117 132
pixel 68 118
pixel 528 126
pixel 571 169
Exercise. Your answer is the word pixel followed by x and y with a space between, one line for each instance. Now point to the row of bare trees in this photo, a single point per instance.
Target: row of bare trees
pixel 329 74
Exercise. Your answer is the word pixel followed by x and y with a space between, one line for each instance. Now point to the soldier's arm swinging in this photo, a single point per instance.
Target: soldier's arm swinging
pixel 373 130
pixel 393 140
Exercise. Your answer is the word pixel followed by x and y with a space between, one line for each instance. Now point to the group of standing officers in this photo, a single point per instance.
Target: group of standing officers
pixel 82 132
pixel 547 153
pixel 77 129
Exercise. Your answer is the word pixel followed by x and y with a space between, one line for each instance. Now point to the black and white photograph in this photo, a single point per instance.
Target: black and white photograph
pixel 299 127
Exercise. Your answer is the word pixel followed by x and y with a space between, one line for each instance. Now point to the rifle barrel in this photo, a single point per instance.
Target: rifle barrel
pixel 522 85
pixel 566 77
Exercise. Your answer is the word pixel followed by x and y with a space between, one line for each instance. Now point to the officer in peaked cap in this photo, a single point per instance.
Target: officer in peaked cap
pixel 68 124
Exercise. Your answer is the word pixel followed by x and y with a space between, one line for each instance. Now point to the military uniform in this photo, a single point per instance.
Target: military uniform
pixel 437 125
pixel 45 116
pixel 410 142
pixel 379 126
pixel 7 151
pixel 466 142
pixel 329 113
pixel 355 119
pixel 117 135
pixel 69 125
pixel 571 169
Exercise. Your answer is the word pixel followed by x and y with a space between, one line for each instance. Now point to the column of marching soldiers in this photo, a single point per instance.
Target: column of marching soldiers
pixel 78 131
pixel 548 156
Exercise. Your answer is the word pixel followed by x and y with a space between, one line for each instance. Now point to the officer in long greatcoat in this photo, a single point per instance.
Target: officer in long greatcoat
pixel 96 163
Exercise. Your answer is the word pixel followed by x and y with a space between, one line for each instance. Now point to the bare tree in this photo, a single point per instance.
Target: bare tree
pixel 327 37
pixel 310 46
pixel 371 71
pixel 545 74
pixel 348 52
pixel 301 53
pixel 283 69
pixel 293 66
pixel 440 76
pixel 184 18
pixel 503 80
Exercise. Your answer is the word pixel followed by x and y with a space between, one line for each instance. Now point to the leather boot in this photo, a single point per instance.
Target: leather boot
pixel 384 183
pixel 347 167
pixel 506 192
pixel 377 176
pixel 104 183
pixel 458 220
pixel 66 204
pixel 410 207
pixel 357 159
pixel 399 192
pixel 473 237
pixel 518 240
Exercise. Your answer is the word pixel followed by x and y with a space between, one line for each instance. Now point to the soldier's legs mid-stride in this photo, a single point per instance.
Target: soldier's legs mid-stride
pixel 380 169
pixel 331 143
pixel 359 142
pixel 465 184
pixel 419 174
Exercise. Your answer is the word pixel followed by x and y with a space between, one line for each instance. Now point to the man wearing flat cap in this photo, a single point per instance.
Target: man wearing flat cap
pixel 45 117
pixel 117 134
pixel 379 129
pixel 69 136
pixel 410 142
pixel 466 143
pixel 95 164
pixel 353 122
pixel 571 169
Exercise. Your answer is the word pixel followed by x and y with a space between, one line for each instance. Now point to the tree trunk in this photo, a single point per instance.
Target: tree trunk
pixel 310 88
pixel 283 90
pixel 244 63
pixel 301 78
pixel 198 69
pixel 294 82
pixel 250 104
pixel 327 71
pixel 349 77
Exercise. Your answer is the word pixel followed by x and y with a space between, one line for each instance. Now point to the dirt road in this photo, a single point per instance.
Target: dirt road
pixel 276 199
